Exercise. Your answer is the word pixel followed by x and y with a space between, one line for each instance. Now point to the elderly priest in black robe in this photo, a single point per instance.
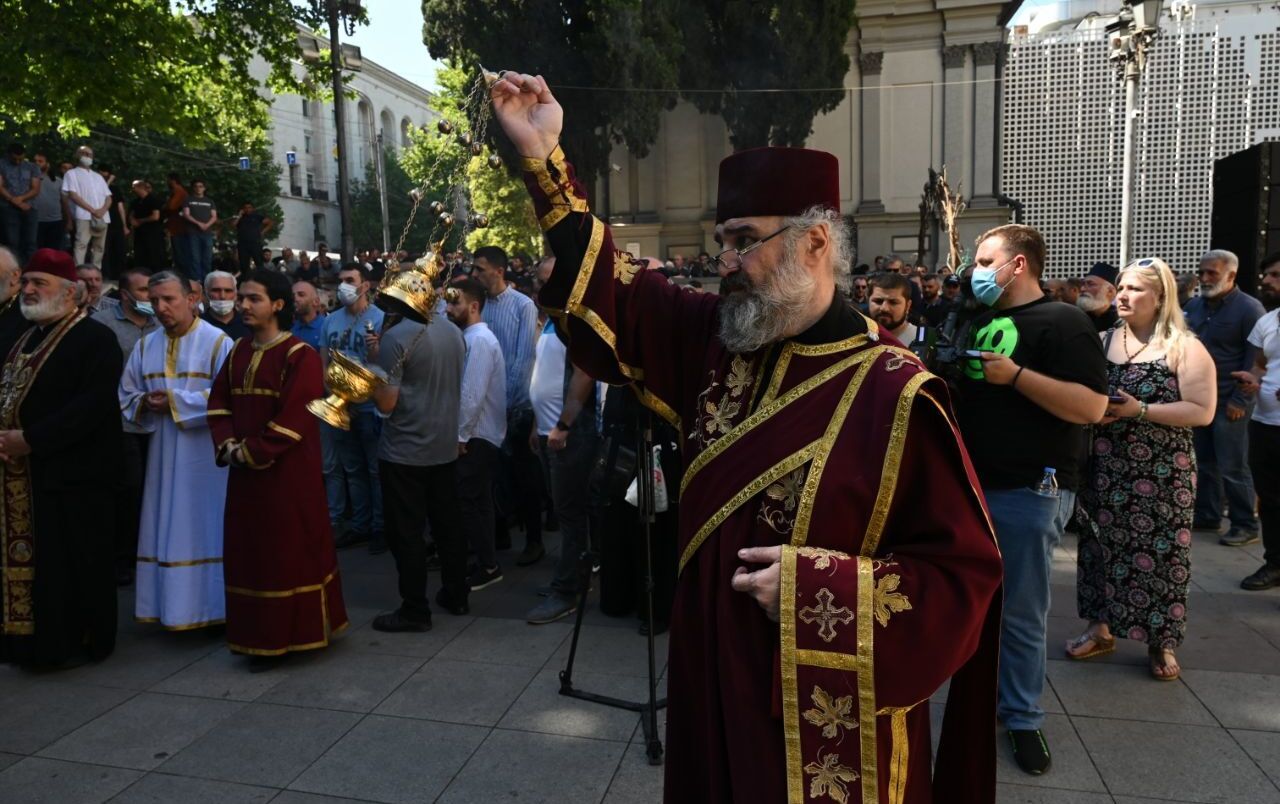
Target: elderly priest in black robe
pixel 60 442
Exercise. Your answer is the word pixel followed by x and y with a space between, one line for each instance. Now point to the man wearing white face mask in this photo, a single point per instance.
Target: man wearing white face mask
pixel 90 207
pixel 220 305
pixel 1022 405
pixel 353 452
pixel 130 320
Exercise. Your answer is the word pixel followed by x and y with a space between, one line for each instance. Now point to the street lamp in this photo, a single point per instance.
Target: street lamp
pixel 336 11
pixel 1132 34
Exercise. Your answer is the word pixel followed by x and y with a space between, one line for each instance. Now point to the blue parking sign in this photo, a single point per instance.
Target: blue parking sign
pixel 244 163
pixel 291 157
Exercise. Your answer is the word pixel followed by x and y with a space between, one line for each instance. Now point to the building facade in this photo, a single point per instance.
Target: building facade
pixel 1211 88
pixel 305 143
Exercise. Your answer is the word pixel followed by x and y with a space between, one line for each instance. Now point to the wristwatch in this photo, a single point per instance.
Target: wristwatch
pixel 560 425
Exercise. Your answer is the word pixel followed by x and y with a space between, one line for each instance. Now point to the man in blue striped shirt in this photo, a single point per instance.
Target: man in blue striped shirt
pixel 513 318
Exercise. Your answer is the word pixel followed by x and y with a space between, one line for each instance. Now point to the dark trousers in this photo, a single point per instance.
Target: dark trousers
pixel 148 250
pixel 129 509
pixel 52 234
pixel 21 229
pixel 1222 461
pixel 520 478
pixel 1264 461
pixel 250 255
pixel 570 489
pixel 475 498
pixel 412 495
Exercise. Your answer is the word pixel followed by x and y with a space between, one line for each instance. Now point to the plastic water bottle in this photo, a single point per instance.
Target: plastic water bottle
pixel 1048 485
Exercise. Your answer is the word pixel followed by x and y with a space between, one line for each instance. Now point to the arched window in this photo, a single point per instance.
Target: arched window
pixel 405 127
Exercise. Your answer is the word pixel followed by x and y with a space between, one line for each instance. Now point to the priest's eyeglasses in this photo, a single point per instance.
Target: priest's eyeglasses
pixel 731 258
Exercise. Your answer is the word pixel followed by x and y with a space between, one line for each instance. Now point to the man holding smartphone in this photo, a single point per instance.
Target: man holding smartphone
pixel 1022 404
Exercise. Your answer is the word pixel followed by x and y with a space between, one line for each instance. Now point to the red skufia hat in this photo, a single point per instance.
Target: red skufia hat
pixel 53 262
pixel 777 181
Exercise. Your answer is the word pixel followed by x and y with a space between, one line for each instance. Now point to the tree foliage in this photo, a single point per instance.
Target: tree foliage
pixel 577 45
pixel 175 67
pixel 151 156
pixel 366 207
pixel 780 44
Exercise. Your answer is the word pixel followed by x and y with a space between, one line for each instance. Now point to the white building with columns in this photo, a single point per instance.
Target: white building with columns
pixel 385 104
pixel 922 92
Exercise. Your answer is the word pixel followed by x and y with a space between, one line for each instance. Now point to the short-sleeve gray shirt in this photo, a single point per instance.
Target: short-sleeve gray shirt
pixel 423 428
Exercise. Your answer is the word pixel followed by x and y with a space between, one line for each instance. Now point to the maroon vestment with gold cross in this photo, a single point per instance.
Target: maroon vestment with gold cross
pixel 840 446
pixel 281 571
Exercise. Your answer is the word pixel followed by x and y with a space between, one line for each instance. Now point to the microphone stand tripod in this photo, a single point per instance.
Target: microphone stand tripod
pixel 647 708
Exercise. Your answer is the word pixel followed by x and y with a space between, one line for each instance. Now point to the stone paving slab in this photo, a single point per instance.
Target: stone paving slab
pixel 142 732
pixel 536 769
pixel 506 642
pixel 541 708
pixel 1264 748
pixel 1023 794
pixel 426 645
pixel 472 693
pixel 1125 693
pixel 263 744
pixel 35 780
pixel 1073 768
pixel 1174 762
pixel 159 788
pixel 38 710
pixel 395 760
pixel 341 678
pixel 222 674
pixel 1238 700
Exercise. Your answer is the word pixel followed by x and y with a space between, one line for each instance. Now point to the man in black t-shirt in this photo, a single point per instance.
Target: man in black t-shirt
pixel 148 228
pixel 251 227
pixel 1022 408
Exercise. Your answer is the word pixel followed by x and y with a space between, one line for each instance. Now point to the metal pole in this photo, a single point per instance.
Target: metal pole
pixel 344 194
pixel 1131 71
pixel 382 196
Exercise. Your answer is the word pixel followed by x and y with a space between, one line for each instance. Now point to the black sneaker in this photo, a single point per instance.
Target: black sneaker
pixel 450 605
pixel 481 578
pixel 396 621
pixel 1030 750
pixel 350 539
pixel 1239 538
pixel 1265 578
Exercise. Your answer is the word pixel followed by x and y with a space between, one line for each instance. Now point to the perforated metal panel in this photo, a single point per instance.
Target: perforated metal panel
pixel 1212 87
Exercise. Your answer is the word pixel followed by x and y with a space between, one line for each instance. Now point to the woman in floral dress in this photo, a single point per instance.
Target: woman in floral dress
pixel 1135 561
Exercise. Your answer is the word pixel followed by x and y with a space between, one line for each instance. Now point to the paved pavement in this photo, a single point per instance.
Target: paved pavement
pixel 470 711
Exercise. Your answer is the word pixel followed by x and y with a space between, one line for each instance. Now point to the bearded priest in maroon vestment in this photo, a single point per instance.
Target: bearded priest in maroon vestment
pixel 837 564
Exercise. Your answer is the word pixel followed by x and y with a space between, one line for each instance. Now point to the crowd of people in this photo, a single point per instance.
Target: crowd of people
pixel 1120 405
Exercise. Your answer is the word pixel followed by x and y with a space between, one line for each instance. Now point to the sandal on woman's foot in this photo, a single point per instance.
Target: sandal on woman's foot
pixel 1100 646
pixel 1164 665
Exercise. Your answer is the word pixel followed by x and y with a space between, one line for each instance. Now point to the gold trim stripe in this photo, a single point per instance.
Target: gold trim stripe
pixel 790 693
pixel 324 643
pixel 866 679
pixel 181 375
pixel 892 463
pixel 188 627
pixel 828 659
pixel 254 392
pixel 786 465
pixel 299 590
pixel 218 412
pixel 284 431
pixel 193 563
pixel 779 370
pixel 808 496
pixel 899 756
pixel 765 412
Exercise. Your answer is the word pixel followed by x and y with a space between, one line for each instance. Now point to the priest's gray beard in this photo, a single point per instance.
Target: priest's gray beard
pixel 752 316
pixel 42 310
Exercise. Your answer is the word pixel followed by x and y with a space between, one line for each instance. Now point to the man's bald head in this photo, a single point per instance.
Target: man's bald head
pixel 9 275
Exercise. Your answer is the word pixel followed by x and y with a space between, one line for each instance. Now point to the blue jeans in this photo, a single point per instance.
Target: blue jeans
pixel 20 230
pixel 570 489
pixel 335 480
pixel 1222 458
pixel 357 450
pixel 201 247
pixel 1028 527
pixel 181 253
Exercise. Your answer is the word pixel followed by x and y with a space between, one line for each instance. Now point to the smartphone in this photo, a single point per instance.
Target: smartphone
pixel 974 353
pixel 1115 399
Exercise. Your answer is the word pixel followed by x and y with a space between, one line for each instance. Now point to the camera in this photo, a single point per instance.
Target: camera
pixel 951 340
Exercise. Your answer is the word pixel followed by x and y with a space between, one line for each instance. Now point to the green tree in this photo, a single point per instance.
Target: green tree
pixel 176 67
pixel 578 45
pixel 366 207
pixel 779 44
pixel 152 156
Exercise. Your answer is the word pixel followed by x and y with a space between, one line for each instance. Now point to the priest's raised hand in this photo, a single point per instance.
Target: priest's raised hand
pixel 528 113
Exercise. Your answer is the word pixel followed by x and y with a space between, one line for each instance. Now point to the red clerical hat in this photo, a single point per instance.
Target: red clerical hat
pixel 53 262
pixel 777 181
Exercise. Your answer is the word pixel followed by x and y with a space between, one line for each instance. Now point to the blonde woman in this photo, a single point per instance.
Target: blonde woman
pixel 1135 565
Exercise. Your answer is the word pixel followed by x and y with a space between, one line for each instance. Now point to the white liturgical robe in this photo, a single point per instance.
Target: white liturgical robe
pixel 179 577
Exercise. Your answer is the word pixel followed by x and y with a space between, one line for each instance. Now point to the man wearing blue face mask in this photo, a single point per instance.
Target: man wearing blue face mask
pixel 130 321
pixel 1022 407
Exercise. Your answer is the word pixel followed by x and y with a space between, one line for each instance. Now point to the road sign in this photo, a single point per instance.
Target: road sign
pixel 244 163
pixel 291 157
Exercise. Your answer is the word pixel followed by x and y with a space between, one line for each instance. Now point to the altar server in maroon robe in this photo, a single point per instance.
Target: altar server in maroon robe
pixel 819 606
pixel 283 590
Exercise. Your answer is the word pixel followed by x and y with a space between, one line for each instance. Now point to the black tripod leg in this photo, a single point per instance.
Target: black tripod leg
pixel 584 578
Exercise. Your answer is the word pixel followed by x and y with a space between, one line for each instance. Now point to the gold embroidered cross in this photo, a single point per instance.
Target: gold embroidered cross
pixel 624 267
pixel 826 614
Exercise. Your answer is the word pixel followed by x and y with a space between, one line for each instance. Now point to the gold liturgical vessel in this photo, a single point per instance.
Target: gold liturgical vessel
pixel 350 383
